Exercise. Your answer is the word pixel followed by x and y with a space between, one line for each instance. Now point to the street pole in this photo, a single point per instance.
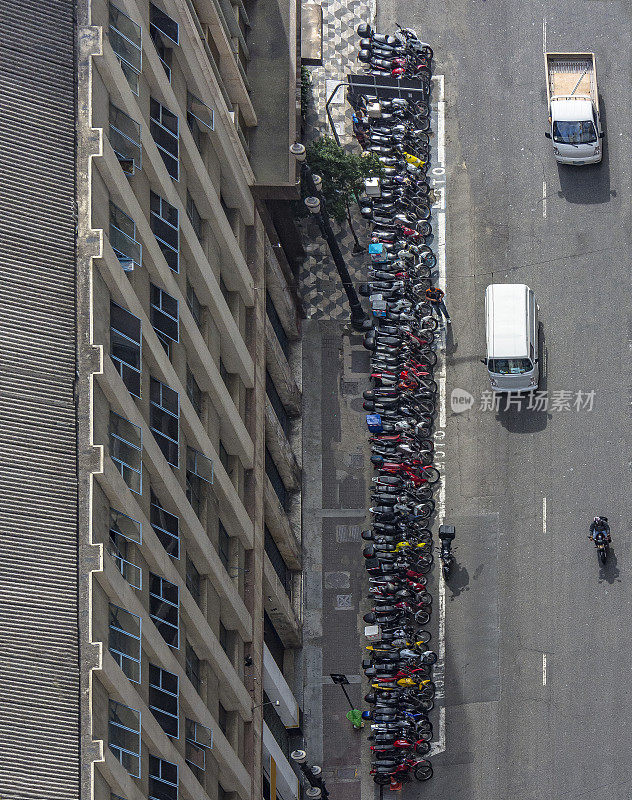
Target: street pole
pixel 313 774
pixel 359 318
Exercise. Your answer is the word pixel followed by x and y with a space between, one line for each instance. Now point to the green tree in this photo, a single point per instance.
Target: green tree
pixel 343 173
pixel 306 90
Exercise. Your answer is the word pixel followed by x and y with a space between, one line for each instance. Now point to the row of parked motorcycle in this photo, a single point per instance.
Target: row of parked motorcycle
pixel 398 548
pixel 401 56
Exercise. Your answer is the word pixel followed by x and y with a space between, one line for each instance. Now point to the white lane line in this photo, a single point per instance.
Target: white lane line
pixel 544 199
pixel 543 669
pixel 441 121
pixel 544 35
pixel 439 180
pixel 544 515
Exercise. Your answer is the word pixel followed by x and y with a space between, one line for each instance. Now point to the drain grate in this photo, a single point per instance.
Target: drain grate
pixel 348 533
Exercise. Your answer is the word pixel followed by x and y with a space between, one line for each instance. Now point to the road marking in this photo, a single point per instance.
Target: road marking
pixel 439 179
pixel 439 745
pixel 544 199
pixel 544 515
pixel 544 35
pixel 543 669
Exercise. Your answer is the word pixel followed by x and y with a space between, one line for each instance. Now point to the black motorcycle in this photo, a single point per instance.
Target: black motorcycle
pixel 602 541
pixel 446 534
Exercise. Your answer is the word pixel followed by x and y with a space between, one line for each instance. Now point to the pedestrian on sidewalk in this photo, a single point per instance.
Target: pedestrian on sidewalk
pixel 435 296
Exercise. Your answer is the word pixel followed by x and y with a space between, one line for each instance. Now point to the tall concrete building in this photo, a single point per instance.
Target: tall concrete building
pixel 151 535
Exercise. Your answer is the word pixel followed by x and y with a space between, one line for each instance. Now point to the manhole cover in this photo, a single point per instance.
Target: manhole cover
pixel 337 580
pixel 343 602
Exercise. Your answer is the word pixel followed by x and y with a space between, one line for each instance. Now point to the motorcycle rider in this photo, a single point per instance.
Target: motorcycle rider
pixel 599 526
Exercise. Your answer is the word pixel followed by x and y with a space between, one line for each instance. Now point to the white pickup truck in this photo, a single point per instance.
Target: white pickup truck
pixel 571 89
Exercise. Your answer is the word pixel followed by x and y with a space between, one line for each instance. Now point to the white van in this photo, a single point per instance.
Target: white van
pixel 511 316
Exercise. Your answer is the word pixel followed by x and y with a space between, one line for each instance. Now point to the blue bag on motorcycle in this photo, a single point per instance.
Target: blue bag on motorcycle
pixel 374 423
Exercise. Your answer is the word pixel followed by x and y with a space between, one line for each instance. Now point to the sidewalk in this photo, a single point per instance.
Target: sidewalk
pixel 322 293
pixel 334 509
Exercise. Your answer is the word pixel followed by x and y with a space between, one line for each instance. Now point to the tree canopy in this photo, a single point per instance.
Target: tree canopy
pixel 343 173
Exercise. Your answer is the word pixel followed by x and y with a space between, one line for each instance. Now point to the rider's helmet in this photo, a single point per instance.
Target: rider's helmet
pixel 597 520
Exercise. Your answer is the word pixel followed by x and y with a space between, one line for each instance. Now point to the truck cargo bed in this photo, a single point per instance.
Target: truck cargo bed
pixel 571 74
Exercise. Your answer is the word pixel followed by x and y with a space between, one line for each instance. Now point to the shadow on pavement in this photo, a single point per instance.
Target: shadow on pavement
pixel 589 184
pixel 609 571
pixel 528 413
pixel 459 579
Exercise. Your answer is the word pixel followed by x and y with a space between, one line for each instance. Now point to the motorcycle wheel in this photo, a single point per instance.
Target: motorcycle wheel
pixel 431 474
pixel 381 779
pixel 422 748
pixel 423 771
pixel 603 555
pixel 446 571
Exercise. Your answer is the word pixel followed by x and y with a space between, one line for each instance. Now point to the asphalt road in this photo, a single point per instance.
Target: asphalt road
pixel 539 645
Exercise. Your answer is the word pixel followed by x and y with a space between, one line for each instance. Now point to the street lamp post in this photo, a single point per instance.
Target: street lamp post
pixel 313 774
pixel 315 205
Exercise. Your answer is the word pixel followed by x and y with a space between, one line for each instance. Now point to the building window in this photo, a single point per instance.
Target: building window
pixel 277 325
pixel 195 307
pixel 124 641
pixel 223 546
pixel 125 140
pixel 163 779
pixel 277 403
pixel 164 220
pixel 222 286
pixel 122 528
pixel 223 372
pixel 162 27
pixel 126 450
pixel 164 608
pixel 273 641
pixel 194 393
pixel 163 24
pixel 123 239
pixel 194 582
pixel 222 718
pixel 163 699
pixel 164 131
pixel 124 736
pixel 199 476
pixel 126 346
pixel 164 420
pixel 275 725
pixel 225 639
pixel 199 118
pixel 277 561
pixel 194 216
pixel 126 527
pixel 193 667
pixel 166 526
pixel 276 480
pixel 198 740
pixel 224 456
pixel 164 316
pixel 125 38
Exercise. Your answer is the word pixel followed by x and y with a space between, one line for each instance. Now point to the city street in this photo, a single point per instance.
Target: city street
pixel 538 646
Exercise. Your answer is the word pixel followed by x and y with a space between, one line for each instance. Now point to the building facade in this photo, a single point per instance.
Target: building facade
pixel 152 404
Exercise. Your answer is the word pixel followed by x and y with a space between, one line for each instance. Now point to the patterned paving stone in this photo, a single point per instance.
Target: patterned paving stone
pixel 318 276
